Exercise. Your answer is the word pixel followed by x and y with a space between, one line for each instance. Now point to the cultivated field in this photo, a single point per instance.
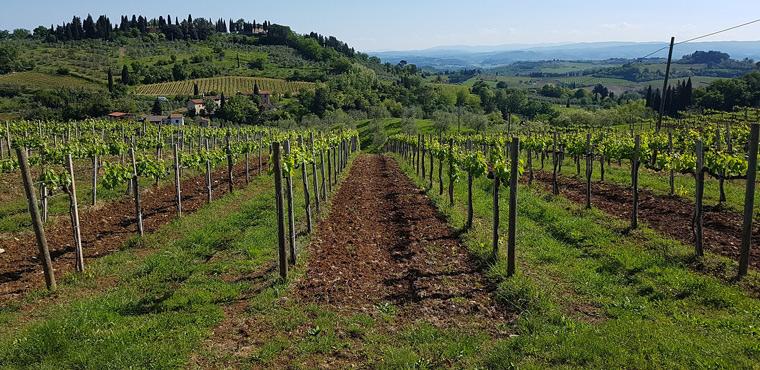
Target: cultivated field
pixel 229 85
pixel 38 80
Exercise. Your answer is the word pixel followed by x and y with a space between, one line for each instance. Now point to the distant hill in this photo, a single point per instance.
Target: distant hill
pixel 457 57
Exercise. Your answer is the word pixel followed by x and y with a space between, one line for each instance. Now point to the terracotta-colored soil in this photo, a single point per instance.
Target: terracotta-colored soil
pixel 382 249
pixel 385 242
pixel 671 216
pixel 105 229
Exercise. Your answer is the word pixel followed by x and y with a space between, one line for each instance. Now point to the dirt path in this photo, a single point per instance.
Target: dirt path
pixel 671 216
pixel 105 229
pixel 385 242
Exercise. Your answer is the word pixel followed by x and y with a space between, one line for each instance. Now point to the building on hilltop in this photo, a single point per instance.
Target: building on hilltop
pixel 198 106
pixel 119 116
pixel 175 119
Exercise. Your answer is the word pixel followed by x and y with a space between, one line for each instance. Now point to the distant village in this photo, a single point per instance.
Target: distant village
pixel 195 110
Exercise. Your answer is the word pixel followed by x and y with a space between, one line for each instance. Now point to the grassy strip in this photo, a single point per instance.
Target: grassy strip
pixel 161 305
pixel 309 336
pixel 590 295
pixel 657 182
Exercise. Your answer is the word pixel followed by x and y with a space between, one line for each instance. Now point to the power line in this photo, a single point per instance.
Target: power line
pixel 701 37
pixel 687 41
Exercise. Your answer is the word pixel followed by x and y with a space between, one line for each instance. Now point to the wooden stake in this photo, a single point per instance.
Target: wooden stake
pixel 305 183
pixel 282 250
pixel 208 175
pixel 589 169
pixel 74 212
pixel 229 162
pixel 749 200
pixel 177 184
pixel 291 215
pixel 39 230
pixel 699 176
pixel 315 178
pixel 514 154
pixel 635 182
pixel 136 190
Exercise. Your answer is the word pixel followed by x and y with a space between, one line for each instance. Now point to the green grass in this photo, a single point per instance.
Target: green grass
pixel 37 81
pixel 162 303
pixel 658 182
pixel 591 295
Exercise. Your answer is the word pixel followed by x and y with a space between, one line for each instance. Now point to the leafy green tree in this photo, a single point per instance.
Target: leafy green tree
pixel 239 109
pixel 8 58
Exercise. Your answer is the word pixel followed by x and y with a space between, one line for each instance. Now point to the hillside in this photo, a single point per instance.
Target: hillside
pixel 455 57
pixel 229 85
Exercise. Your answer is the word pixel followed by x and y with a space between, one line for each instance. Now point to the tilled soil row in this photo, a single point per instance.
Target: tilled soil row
pixel 105 229
pixel 384 242
pixel 671 216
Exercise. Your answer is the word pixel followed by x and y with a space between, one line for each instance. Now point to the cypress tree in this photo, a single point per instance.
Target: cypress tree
pixel 689 93
pixel 255 89
pixel 157 109
pixel 656 100
pixel 195 89
pixel 125 75
pixel 649 97
pixel 110 80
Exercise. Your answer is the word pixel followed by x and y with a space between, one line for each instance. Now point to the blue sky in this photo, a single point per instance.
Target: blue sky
pixel 403 25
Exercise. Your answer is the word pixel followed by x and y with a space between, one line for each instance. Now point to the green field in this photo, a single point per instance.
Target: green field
pixel 229 85
pixel 37 80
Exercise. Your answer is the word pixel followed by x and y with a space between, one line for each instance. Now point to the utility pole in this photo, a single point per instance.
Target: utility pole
pixel 664 91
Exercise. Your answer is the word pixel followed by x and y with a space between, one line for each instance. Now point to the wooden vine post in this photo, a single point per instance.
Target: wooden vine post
pixel 749 199
pixel 291 215
pixel 589 169
pixel 247 160
pixel 305 182
pixel 555 163
pixel 423 149
pixel 315 179
pixel 699 176
pixel 671 176
pixel 336 165
pixel 8 137
pixel 177 187
pixel 94 179
pixel 468 224
pixel 495 231
pixel 635 182
pixel 417 153
pixel 322 172
pixel 208 174
pixel 39 230
pixel 329 171
pixel 512 222
pixel 136 190
pixel 440 170
pixel 74 212
pixel 451 176
pixel 281 249
pixel 432 161
pixel 229 162
pixel 261 143
pixel 530 167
